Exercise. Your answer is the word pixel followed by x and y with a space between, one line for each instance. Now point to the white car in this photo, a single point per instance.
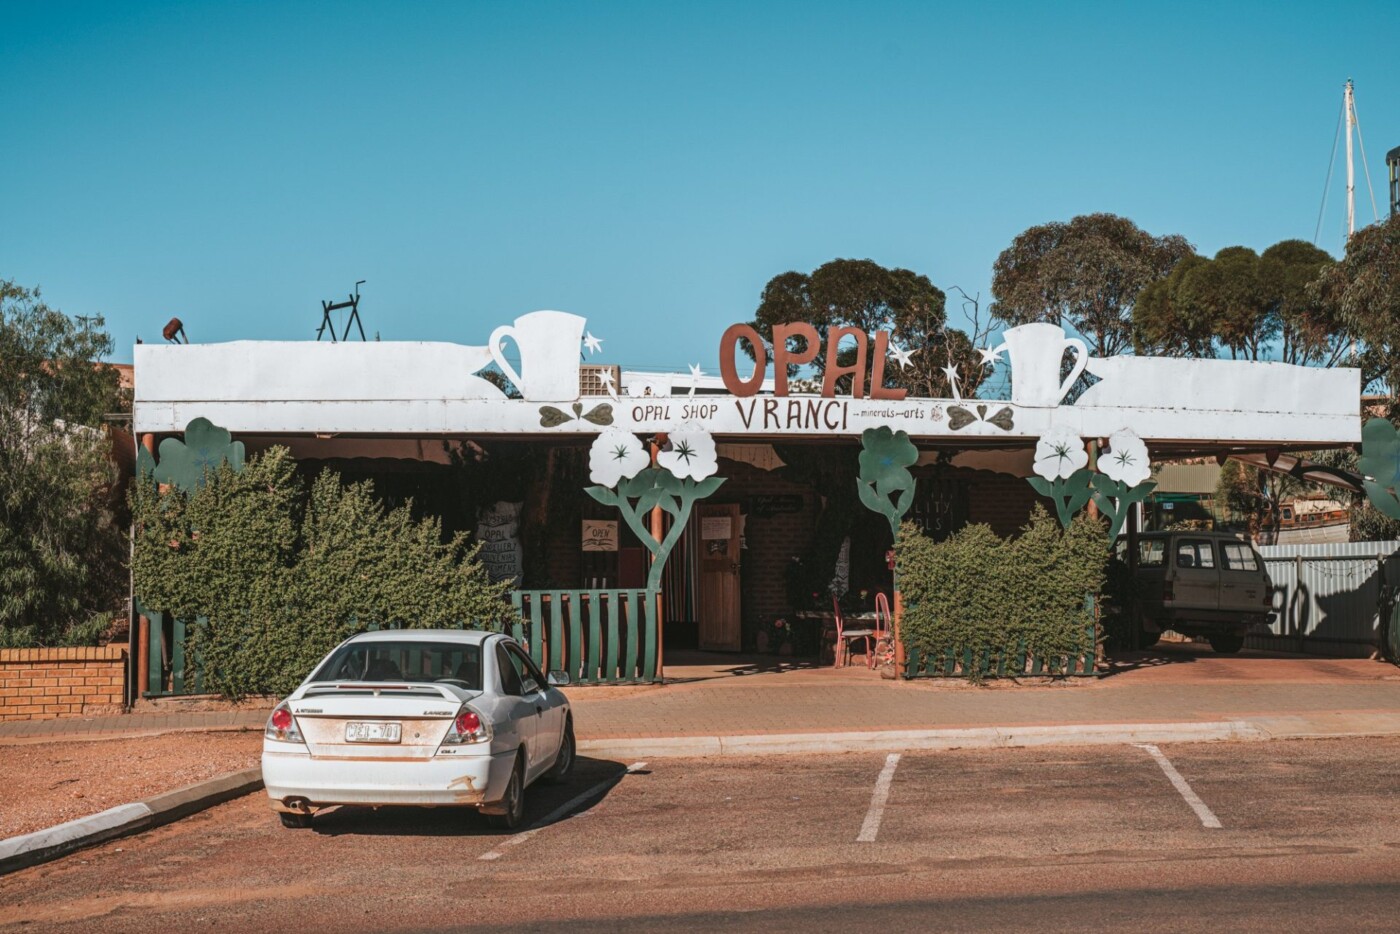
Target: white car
pixel 428 717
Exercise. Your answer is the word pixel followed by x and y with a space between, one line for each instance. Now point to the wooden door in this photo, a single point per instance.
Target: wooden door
pixel 719 577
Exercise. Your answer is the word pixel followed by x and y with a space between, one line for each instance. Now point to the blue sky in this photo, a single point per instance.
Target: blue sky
pixel 648 165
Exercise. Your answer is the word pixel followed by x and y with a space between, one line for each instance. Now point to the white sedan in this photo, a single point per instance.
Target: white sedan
pixel 419 717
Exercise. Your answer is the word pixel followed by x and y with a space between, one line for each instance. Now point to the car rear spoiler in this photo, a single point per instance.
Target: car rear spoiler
pixel 325 688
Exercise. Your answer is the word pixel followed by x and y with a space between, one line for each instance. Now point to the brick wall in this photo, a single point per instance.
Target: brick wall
pixel 40 684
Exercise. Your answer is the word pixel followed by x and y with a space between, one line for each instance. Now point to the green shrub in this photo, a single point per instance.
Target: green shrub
pixel 979 592
pixel 280 575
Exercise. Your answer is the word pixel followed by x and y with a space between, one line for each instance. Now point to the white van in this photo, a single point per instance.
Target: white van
pixel 1209 584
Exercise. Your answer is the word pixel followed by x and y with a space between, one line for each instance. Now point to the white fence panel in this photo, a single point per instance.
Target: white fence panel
pixel 1326 596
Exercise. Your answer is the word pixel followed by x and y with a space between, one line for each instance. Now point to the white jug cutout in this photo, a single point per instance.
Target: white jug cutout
pixel 1035 351
pixel 548 342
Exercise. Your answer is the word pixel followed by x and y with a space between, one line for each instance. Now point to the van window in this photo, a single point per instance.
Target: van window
pixel 1152 553
pixel 1237 556
pixel 1194 553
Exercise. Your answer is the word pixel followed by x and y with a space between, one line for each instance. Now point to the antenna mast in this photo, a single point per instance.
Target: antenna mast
pixel 1349 106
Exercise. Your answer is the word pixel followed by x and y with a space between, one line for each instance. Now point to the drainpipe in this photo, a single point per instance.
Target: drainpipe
pixel 658 533
pixel 143 624
pixel 1092 447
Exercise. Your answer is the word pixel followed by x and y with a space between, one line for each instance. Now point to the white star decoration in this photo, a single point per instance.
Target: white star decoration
pixel 951 371
pixel 606 378
pixel 695 374
pixel 591 343
pixel 901 356
pixel 991 356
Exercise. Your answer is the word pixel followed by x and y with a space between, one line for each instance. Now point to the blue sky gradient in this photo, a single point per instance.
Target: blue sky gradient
pixel 648 165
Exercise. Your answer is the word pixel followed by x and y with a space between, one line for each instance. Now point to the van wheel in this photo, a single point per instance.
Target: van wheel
pixel 1147 638
pixel 295 821
pixel 1227 643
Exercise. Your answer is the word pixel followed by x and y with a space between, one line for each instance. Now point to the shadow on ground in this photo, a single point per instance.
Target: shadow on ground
pixel 541 800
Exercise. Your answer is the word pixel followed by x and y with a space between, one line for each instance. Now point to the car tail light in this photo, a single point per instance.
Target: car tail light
pixel 282 726
pixel 467 727
pixel 1168 592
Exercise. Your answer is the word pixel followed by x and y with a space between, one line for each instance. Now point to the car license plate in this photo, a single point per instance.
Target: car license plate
pixel 378 732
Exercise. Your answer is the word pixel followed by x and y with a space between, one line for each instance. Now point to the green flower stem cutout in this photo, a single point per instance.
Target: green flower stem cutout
pixel 1069 494
pixel 1114 500
pixel 183 464
pixel 885 484
pixel 1380 463
pixel 618 464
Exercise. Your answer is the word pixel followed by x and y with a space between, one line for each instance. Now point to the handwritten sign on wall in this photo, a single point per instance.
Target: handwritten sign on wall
pixel 498 530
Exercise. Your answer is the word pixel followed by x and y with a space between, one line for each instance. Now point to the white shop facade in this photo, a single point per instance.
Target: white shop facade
pixel 744 482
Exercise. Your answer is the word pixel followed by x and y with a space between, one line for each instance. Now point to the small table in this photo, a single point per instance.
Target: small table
pixel 829 616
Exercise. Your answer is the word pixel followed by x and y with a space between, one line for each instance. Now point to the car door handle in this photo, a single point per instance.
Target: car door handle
pixel 539 710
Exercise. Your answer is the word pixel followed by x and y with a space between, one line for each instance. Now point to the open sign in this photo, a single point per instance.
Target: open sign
pixel 600 535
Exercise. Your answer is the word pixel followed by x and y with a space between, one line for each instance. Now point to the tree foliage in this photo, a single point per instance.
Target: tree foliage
pixel 282 574
pixel 1245 303
pixel 1086 274
pixel 860 293
pixel 1362 291
pixel 60 543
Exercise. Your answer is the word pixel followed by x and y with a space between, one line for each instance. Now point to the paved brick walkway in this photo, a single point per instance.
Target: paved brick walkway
pixel 723 695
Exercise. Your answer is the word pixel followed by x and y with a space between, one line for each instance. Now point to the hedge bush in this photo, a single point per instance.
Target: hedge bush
pixel 976 591
pixel 282 574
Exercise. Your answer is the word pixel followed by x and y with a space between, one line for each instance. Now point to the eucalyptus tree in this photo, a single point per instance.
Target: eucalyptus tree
pixel 1250 305
pixel 1362 291
pixel 862 294
pixel 1085 274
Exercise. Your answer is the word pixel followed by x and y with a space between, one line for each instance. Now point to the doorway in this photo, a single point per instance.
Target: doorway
pixel 719 576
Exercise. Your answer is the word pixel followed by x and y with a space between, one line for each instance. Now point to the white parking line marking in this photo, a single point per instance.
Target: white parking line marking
pixel 1208 818
pixel 881 796
pixel 559 813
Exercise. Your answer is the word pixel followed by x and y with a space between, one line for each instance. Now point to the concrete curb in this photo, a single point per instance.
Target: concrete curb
pixel 903 740
pixel 53 842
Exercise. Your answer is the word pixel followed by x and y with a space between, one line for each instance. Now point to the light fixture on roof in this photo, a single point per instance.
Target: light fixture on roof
pixel 174 331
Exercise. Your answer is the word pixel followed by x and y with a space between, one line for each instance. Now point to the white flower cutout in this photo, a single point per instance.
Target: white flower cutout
pixel 1059 453
pixel 1126 460
pixel 689 452
pixel 616 454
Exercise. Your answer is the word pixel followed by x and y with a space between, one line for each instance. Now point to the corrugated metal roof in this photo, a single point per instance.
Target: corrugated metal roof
pixel 1186 478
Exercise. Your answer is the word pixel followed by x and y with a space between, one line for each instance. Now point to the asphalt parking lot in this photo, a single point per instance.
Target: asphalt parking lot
pixel 1250 836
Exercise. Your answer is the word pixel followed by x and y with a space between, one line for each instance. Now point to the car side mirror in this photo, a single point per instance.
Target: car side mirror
pixel 559 679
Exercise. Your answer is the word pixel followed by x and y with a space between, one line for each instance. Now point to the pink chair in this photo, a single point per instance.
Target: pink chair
pixel 844 637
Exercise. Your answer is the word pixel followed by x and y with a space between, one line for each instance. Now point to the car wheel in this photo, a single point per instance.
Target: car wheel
pixel 563 765
pixel 513 802
pixel 295 821
pixel 1147 638
pixel 1227 643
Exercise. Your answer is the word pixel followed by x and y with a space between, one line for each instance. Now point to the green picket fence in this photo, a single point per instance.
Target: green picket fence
pixel 597 636
pixel 170 669
pixel 1000 663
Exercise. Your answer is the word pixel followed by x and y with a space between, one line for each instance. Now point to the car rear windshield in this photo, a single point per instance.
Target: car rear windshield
pixel 409 660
